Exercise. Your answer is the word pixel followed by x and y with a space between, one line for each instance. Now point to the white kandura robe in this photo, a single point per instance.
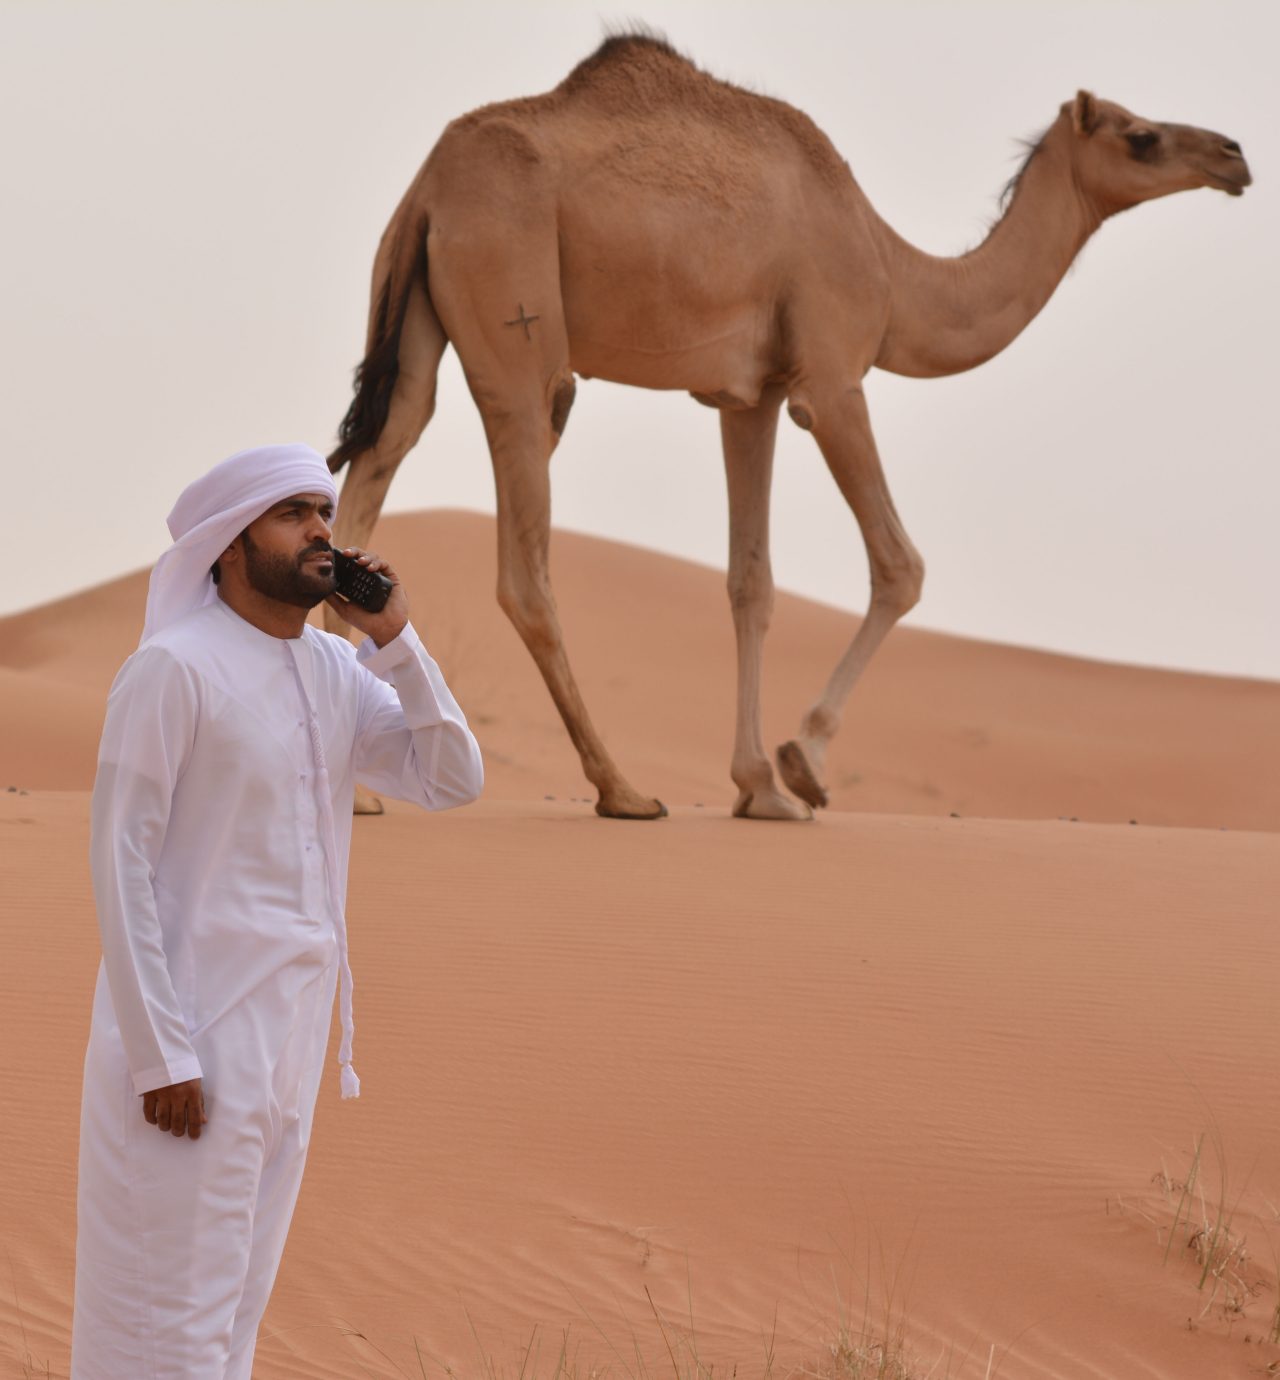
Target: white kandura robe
pixel 220 940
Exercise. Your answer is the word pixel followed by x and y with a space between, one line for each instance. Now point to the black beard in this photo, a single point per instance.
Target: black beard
pixel 287 580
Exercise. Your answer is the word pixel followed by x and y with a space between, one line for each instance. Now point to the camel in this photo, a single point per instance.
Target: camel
pixel 647 223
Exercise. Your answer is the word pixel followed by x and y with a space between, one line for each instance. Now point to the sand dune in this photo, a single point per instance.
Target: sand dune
pixel 939 724
pixel 895 1058
pixel 732 1061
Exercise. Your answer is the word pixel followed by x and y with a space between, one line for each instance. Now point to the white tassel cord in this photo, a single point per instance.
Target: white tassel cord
pixel 350 1080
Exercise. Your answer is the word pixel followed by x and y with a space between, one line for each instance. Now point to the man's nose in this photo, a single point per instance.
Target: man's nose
pixel 320 530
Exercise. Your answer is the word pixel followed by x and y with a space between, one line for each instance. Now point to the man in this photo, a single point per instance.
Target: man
pixel 221 826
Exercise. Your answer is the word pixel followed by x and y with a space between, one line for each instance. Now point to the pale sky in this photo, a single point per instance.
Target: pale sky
pixel 193 193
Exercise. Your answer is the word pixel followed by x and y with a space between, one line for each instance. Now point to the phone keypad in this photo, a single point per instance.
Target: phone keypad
pixel 366 588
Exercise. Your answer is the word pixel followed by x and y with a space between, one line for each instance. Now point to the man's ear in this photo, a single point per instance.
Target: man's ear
pixel 1084 113
pixel 233 552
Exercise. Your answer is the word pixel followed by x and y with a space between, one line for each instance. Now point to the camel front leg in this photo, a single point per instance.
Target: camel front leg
pixel 842 429
pixel 748 439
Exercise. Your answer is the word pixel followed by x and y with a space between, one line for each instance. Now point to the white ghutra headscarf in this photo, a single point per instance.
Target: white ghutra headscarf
pixel 213 510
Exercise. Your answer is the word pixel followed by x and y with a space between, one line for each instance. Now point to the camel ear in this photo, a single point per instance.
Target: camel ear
pixel 1084 114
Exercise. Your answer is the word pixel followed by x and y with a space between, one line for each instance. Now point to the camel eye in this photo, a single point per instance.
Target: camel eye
pixel 1142 142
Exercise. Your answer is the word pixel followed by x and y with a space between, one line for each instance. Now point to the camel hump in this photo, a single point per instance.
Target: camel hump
pixel 635 101
pixel 637 77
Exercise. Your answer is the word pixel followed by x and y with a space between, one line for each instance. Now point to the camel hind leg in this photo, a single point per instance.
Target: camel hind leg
pixel 413 402
pixel 369 474
pixel 506 321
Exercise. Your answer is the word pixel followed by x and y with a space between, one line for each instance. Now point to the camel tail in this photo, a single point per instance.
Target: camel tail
pixel 375 376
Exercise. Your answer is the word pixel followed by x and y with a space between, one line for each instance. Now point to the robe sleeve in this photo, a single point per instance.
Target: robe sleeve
pixel 146 741
pixel 412 739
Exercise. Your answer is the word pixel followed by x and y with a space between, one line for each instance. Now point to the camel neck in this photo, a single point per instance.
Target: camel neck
pixel 949 315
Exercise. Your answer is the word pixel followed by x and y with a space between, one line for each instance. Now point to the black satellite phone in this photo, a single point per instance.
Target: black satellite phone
pixel 358 585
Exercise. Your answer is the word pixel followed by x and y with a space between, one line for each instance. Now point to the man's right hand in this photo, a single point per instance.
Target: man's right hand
pixel 178 1109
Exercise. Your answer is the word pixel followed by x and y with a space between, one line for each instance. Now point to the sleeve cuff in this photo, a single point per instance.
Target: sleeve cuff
pixel 381 660
pixel 164 1076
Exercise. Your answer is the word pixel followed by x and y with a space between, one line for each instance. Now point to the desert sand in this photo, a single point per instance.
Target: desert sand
pixel 933 1067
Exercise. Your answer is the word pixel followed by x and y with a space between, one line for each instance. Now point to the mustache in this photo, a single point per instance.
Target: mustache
pixel 317 548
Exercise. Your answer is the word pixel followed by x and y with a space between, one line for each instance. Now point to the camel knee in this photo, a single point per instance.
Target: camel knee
pixel 896 587
pixel 751 591
pixel 529 606
pixel 422 413
pixel 407 423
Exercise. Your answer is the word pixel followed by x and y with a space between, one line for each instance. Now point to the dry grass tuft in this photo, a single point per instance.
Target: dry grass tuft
pixel 856 1352
pixel 1205 1229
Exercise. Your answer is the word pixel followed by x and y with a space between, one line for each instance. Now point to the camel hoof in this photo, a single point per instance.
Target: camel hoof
pixel 769 805
pixel 366 803
pixel 630 806
pixel 798 777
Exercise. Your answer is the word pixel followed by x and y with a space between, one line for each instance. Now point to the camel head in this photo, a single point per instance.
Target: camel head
pixel 1121 159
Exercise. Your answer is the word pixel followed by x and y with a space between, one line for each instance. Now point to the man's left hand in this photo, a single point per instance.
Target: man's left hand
pixel 388 623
